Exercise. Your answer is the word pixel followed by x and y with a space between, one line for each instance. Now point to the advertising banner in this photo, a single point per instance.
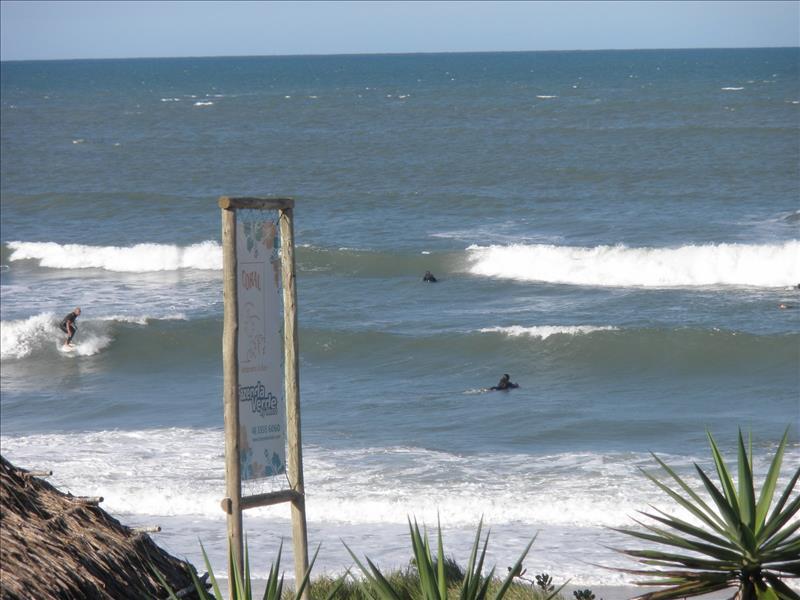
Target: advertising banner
pixel 262 409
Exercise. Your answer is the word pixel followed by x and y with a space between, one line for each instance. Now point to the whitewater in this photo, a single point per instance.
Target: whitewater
pixel 764 265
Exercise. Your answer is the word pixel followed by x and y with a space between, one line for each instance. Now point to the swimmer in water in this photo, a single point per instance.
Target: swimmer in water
pixel 504 384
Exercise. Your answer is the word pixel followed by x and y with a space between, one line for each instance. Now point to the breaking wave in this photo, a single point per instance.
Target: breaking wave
pixel 140 258
pixel 768 265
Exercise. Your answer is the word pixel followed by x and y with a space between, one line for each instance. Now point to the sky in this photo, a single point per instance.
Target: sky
pixel 64 29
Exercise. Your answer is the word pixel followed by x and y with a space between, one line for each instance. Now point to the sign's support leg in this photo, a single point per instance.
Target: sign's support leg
pixel 230 393
pixel 292 379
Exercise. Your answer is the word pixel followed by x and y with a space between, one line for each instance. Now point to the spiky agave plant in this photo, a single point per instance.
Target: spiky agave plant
pixel 432 576
pixel 739 541
pixel 241 586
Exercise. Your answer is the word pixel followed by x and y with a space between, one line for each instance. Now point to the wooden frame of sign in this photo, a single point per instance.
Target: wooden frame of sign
pixel 234 503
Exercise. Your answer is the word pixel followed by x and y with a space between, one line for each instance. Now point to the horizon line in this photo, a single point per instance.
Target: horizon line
pixel 432 52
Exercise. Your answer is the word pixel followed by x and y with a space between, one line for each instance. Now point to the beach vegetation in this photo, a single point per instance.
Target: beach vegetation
pixel 739 539
pixel 241 584
pixel 545 583
pixel 435 581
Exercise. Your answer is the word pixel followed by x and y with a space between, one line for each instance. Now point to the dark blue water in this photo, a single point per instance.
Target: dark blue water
pixel 616 230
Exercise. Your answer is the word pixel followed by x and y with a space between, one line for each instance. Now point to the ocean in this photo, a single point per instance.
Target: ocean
pixel 615 230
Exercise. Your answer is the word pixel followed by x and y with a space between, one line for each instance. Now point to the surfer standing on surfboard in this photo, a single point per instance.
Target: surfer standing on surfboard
pixel 69 327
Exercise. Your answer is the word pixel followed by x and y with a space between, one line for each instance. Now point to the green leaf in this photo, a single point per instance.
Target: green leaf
pixel 692 494
pixel 747 495
pixel 768 489
pixel 765 593
pixel 698 508
pixel 685 590
pixel 729 514
pixel 307 576
pixel 784 591
pixel 214 584
pixel 777 521
pixel 274 581
pixel 162 580
pixel 718 546
pixel 780 536
pixel 442 581
pixel 674 543
pixel 375 577
pixel 472 581
pixel 422 554
pixel 724 478
pixel 515 569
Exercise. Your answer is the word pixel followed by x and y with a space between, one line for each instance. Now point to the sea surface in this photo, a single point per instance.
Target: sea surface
pixel 615 230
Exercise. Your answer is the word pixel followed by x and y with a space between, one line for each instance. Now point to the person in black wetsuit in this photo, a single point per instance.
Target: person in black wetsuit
pixel 504 384
pixel 429 277
pixel 69 327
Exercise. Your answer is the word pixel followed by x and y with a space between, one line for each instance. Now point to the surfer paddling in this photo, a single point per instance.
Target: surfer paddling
pixel 69 327
pixel 429 277
pixel 505 383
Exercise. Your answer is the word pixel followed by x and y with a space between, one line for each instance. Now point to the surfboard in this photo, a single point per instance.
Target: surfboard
pixel 71 348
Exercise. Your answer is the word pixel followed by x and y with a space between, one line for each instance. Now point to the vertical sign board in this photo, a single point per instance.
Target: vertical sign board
pixel 262 410
pixel 260 365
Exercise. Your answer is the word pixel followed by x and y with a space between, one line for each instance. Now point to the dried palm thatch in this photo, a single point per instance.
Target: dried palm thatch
pixel 53 545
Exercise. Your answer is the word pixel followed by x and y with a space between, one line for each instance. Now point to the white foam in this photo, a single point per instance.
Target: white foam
pixel 39 333
pixel 24 337
pixel 543 97
pixel 732 89
pixel 545 331
pixel 175 477
pixel 140 258
pixel 767 265
pixel 88 346
pixel 180 472
pixel 143 319
pixel 201 103
pixel 19 338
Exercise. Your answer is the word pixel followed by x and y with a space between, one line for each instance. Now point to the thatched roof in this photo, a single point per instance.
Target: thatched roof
pixel 55 545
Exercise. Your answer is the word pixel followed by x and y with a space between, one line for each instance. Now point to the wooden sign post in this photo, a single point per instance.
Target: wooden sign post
pixel 242 270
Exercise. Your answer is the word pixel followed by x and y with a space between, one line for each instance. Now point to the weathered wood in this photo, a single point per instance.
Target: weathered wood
pixel 234 504
pixel 86 499
pixel 36 473
pixel 227 203
pixel 151 529
pixel 230 334
pixel 294 459
pixel 190 589
pixel 259 500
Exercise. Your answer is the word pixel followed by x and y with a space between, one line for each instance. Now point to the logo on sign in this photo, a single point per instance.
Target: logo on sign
pixel 261 401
